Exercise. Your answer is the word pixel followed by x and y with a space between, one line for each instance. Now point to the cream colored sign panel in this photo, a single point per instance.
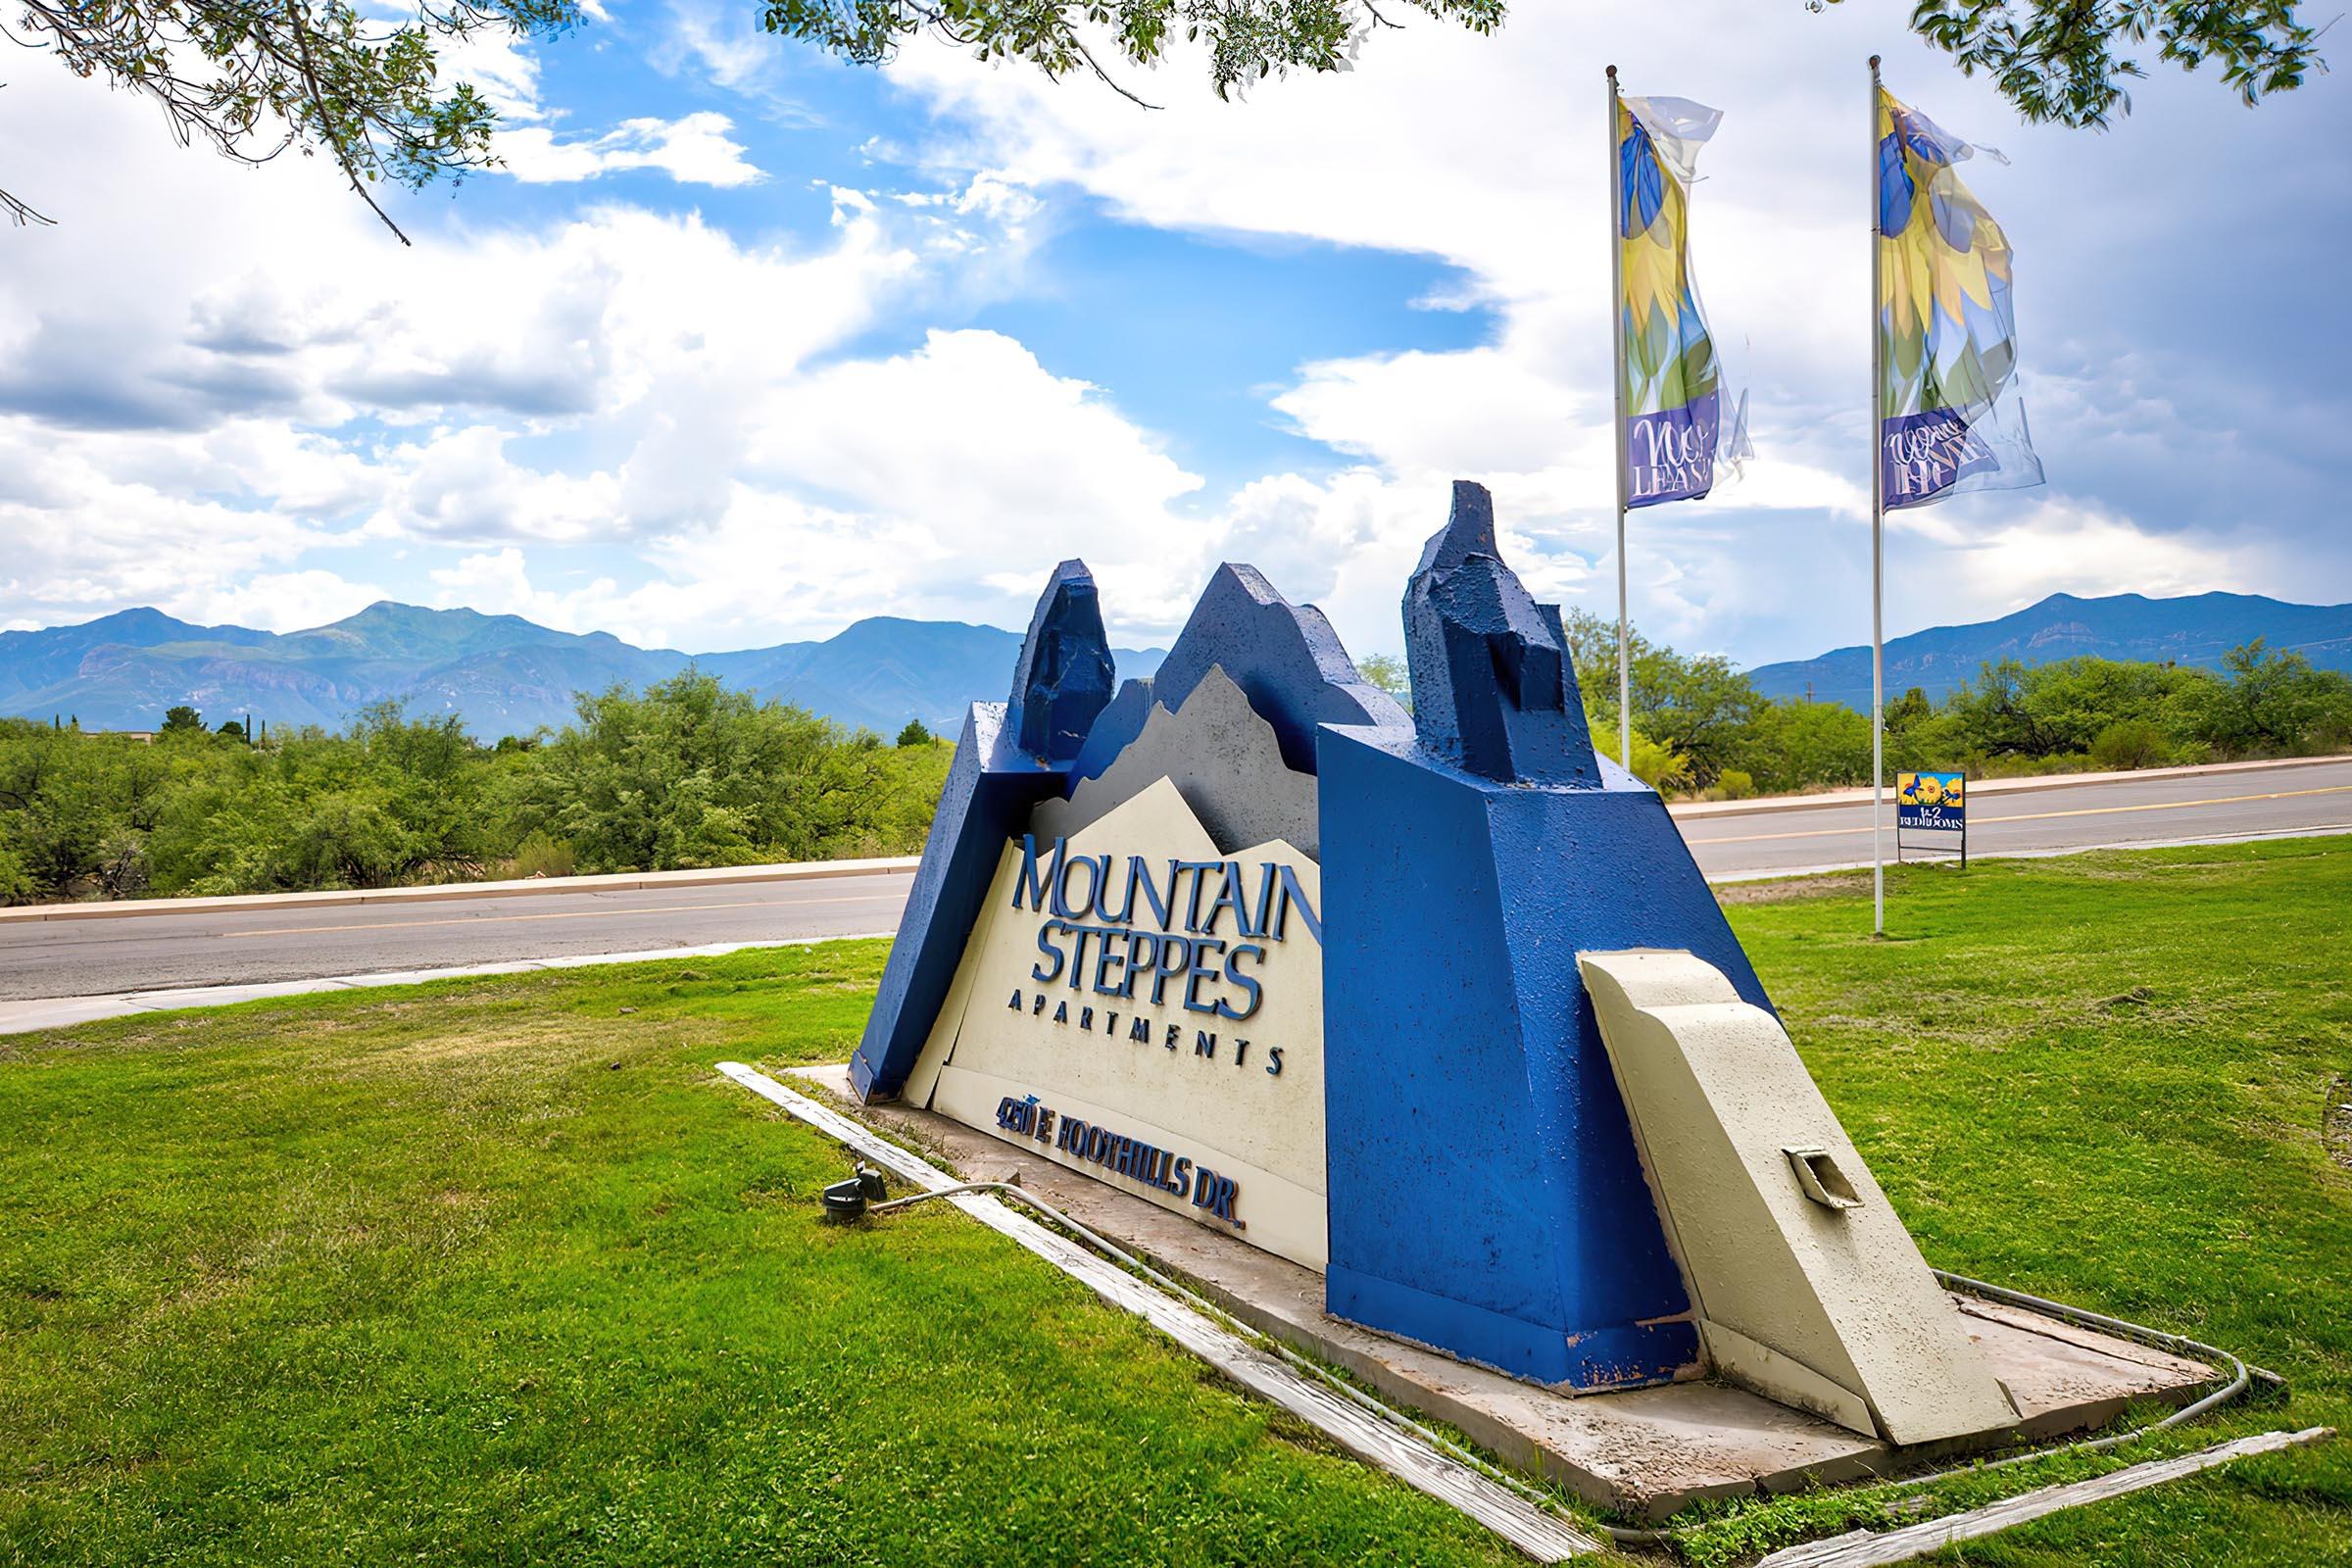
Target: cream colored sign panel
pixel 1136 1005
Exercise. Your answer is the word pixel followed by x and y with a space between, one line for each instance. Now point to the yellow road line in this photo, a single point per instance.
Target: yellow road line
pixel 558 914
pixel 2038 817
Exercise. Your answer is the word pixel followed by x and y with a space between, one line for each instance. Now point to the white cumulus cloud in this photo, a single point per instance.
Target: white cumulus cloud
pixel 606 417
pixel 695 150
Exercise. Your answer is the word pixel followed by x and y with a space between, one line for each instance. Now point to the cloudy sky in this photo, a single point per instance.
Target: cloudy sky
pixel 742 344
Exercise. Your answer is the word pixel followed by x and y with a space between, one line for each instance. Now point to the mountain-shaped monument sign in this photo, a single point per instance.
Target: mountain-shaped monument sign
pixel 1427 1020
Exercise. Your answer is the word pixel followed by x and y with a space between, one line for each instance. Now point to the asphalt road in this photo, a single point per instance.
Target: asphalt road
pixel 2251 803
pixel 239 946
pixel 87 957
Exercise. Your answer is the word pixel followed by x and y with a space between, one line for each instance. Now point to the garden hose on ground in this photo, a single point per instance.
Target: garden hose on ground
pixel 2156 1338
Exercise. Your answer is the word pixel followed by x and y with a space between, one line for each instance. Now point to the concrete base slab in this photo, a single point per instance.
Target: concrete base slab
pixel 1646 1452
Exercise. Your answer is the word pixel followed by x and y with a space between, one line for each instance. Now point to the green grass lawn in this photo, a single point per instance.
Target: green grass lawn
pixel 499 1270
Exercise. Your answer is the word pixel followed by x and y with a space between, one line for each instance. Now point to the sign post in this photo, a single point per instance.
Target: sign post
pixel 1932 802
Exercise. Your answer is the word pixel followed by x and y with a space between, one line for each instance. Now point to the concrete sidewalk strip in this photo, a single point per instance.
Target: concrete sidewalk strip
pixel 60 1012
pixel 624 882
pixel 63 1012
pixel 714 950
pixel 179 997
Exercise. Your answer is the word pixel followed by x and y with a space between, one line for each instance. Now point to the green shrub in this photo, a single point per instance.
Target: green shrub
pixel 688 773
pixel 1790 746
pixel 17 885
pixel 2129 743
pixel 540 856
pixel 684 774
pixel 1659 767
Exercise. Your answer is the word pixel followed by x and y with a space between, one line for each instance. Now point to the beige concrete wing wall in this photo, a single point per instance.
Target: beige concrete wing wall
pixel 1807 1287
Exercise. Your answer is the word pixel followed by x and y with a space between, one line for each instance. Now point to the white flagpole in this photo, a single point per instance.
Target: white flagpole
pixel 1625 679
pixel 1878 547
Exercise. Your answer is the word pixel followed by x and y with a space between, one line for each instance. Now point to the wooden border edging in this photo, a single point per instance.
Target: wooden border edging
pixel 1863 1548
pixel 1539 1535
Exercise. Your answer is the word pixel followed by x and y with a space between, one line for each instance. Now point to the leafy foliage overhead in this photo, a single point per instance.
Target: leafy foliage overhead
pixel 254 78
pixel 1246 39
pixel 2062 61
pixel 2067 59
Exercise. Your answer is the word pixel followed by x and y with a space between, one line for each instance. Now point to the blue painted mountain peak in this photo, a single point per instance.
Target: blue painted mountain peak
pixel 503 675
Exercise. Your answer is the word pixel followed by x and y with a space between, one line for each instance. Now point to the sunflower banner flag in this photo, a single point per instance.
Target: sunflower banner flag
pixel 1679 419
pixel 1950 418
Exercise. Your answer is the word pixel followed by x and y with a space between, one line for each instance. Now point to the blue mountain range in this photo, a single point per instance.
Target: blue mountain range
pixel 504 675
pixel 2195 629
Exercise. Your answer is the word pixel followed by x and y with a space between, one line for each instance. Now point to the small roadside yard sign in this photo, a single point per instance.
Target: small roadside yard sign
pixel 1932 803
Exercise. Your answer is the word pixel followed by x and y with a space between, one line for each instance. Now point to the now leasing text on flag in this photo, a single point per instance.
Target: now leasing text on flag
pixel 1950 418
pixel 1676 424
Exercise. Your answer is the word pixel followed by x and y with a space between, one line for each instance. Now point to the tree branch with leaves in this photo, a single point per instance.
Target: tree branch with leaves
pixel 2058 60
pixel 256 78
pixel 1247 40
pixel 2055 59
